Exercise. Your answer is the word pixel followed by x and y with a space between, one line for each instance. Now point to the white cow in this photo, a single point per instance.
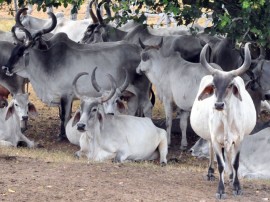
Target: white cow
pixel 11 116
pixel 223 113
pixel 122 137
pixel 255 158
pixel 114 105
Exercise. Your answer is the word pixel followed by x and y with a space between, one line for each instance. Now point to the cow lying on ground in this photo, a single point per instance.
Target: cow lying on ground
pixel 121 137
pixel 255 158
pixel 223 113
pixel 113 106
pixel 10 118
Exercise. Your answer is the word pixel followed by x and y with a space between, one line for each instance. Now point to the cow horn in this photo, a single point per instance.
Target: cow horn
pixel 245 66
pixel 203 61
pixel 94 81
pixel 13 29
pixel 141 43
pixel 49 29
pixel 125 84
pixel 113 89
pixel 18 16
pixel 74 86
pixel 29 37
pixel 107 9
pixel 94 18
pixel 99 16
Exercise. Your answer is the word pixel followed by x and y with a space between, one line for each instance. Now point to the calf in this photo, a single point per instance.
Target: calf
pixel 10 116
pixel 223 113
pixel 106 136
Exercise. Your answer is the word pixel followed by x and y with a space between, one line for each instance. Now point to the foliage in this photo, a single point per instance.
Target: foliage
pixel 242 20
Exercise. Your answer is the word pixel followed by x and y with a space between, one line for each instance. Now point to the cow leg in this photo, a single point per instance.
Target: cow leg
pixel 168 113
pixel 183 126
pixel 221 165
pixel 210 175
pixel 29 143
pixel 163 150
pixel 235 163
pixel 64 113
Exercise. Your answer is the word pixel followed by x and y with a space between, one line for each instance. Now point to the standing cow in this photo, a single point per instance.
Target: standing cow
pixel 223 113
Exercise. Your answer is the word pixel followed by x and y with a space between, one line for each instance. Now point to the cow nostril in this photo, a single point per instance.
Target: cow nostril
pixel 25 118
pixel 81 127
pixel 267 96
pixel 219 105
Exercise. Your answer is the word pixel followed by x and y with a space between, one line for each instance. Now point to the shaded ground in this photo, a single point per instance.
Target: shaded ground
pixel 27 175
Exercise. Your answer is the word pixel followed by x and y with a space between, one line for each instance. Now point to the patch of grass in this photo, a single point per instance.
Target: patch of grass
pixel 6 24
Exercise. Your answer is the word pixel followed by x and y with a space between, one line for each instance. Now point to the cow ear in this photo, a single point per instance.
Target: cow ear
pixel 76 118
pixel 126 95
pixel 10 111
pixel 121 107
pixel 207 92
pixel 236 91
pixel 32 110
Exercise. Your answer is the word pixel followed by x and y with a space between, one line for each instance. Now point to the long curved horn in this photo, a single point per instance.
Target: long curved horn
pixel 94 18
pixel 113 89
pixel 29 37
pixel 141 43
pixel 74 86
pixel 245 66
pixel 49 29
pixel 203 61
pixel 99 16
pixel 18 16
pixel 13 29
pixel 125 84
pixel 107 9
pixel 94 81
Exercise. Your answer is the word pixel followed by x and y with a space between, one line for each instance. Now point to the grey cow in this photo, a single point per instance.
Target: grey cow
pixel 50 71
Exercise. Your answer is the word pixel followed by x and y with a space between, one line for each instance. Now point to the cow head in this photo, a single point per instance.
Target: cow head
pixel 147 55
pixel 223 84
pixel 115 104
pixel 22 108
pixel 91 109
pixel 20 50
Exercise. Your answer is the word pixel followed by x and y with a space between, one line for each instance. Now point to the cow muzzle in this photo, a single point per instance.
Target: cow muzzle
pixel 81 127
pixel 219 106
pixel 267 96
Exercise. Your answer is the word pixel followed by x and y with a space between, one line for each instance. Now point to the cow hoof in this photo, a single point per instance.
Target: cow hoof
pixel 237 192
pixel 220 195
pixel 61 138
pixel 77 155
pixel 38 145
pixel 183 148
pixel 162 164
pixel 210 177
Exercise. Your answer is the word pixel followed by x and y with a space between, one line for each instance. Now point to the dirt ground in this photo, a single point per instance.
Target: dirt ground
pixel 52 173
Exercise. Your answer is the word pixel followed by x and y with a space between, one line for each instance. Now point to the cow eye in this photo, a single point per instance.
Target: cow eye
pixel 145 57
pixel 16 105
pixel 94 110
pixel 230 86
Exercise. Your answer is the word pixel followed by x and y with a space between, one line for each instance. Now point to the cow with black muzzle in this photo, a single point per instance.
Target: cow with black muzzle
pixel 223 113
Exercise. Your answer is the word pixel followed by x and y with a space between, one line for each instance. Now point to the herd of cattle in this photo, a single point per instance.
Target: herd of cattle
pixel 112 69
